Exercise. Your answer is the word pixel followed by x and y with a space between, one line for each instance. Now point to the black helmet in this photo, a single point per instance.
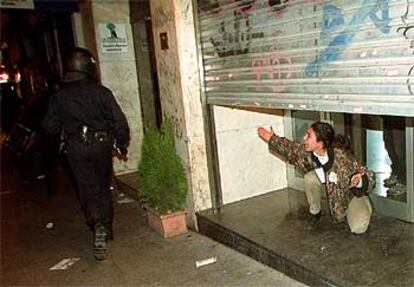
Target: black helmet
pixel 80 65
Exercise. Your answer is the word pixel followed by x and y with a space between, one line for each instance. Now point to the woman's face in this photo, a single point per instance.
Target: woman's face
pixel 311 143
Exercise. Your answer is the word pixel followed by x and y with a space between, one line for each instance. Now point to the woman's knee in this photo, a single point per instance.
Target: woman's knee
pixel 359 215
pixel 359 227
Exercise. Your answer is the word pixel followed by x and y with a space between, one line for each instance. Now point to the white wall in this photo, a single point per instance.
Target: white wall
pixel 247 168
pixel 179 84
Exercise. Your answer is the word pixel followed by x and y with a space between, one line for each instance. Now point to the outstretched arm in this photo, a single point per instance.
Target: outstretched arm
pixel 286 149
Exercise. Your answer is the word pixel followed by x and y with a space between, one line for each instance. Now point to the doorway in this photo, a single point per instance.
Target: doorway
pixel 383 143
pixel 146 63
pixel 33 43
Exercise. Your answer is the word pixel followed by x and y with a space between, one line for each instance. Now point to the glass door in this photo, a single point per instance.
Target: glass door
pixel 389 153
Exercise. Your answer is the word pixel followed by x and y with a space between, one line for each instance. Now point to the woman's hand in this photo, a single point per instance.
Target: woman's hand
pixel 265 134
pixel 355 180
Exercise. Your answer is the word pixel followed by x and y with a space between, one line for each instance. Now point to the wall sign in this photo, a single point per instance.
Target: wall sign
pixel 17 4
pixel 112 38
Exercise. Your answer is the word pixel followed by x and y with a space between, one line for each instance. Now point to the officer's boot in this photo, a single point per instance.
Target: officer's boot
pixel 99 243
pixel 110 232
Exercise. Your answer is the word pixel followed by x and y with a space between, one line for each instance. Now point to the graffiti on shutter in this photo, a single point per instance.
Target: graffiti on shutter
pixel 344 55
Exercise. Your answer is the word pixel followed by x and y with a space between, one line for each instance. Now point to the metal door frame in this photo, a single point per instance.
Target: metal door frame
pixel 398 209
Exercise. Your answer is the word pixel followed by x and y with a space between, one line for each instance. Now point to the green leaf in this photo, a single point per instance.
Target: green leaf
pixel 162 179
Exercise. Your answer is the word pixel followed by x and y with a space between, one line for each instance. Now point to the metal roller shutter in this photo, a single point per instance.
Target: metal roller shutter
pixel 344 56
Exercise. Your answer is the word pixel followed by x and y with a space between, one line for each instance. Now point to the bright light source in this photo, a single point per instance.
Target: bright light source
pixel 18 77
pixel 4 78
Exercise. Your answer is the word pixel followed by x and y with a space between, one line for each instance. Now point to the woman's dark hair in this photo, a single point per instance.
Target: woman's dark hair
pixel 325 133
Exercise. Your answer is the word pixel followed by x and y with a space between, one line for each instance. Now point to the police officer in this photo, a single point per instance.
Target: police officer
pixel 93 123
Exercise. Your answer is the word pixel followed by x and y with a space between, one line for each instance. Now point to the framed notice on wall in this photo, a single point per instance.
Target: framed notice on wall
pixel 112 38
pixel 17 4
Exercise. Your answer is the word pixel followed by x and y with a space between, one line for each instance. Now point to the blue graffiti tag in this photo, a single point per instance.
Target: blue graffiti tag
pixel 333 18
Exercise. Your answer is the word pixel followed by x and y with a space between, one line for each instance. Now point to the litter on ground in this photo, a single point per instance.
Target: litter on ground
pixel 65 263
pixel 125 200
pixel 204 262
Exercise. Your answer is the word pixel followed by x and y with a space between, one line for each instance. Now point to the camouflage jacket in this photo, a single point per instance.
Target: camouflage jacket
pixel 338 172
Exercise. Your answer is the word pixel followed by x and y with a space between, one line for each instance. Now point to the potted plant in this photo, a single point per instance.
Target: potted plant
pixel 162 181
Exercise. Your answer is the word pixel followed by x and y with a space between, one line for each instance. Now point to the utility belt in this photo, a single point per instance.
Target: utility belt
pixel 87 135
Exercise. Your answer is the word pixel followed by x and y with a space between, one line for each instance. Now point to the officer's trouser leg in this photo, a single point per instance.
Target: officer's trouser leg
pixel 103 170
pixel 313 191
pixel 359 214
pixel 92 168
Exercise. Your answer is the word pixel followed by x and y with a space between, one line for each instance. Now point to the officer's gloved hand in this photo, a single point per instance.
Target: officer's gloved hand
pixel 120 151
pixel 123 151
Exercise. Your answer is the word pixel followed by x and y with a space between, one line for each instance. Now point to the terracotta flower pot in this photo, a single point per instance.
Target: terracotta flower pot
pixel 167 225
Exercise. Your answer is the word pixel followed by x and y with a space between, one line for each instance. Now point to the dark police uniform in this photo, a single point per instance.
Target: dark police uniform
pixel 91 120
